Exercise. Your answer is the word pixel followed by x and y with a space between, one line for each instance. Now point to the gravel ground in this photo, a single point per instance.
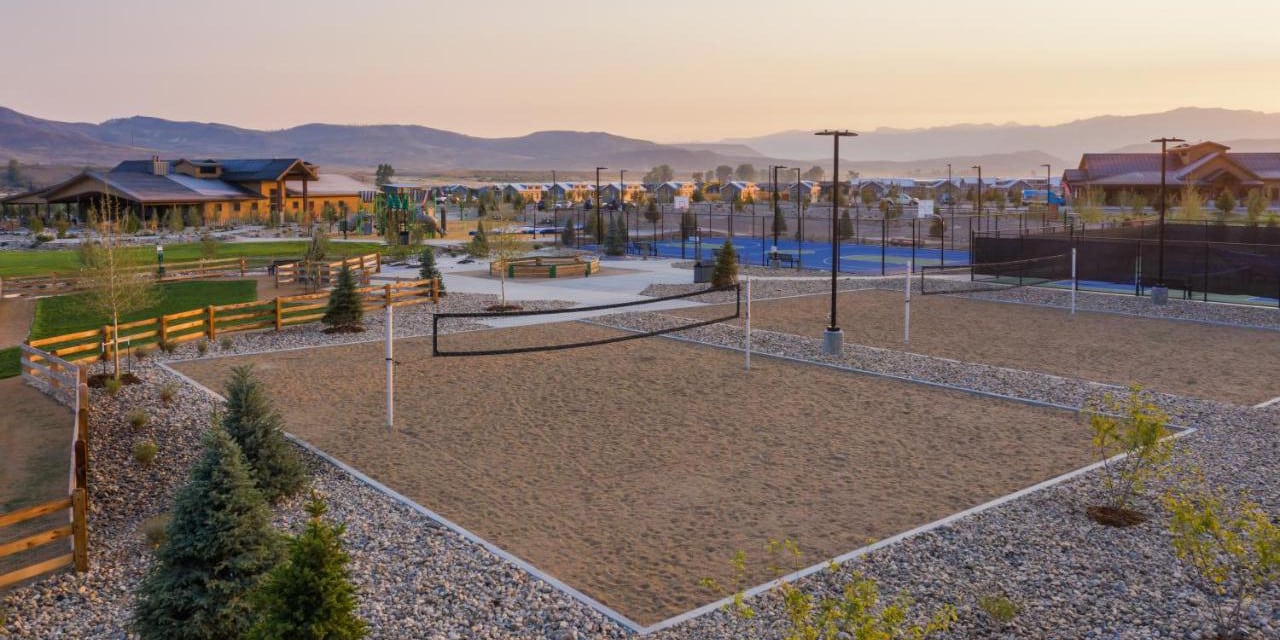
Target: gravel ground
pixel 1073 578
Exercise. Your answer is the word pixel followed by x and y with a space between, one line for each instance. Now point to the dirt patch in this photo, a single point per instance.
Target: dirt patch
pixel 631 471
pixel 1209 361
pixel 15 320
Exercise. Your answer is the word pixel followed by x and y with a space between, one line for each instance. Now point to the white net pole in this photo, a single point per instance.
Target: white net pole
pixel 906 305
pixel 391 405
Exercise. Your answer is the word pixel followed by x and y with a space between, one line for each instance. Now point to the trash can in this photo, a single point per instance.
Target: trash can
pixel 702 272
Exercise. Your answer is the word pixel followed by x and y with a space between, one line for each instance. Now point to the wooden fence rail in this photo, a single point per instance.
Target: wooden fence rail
pixel 324 274
pixel 65 382
pixel 186 270
pixel 85 347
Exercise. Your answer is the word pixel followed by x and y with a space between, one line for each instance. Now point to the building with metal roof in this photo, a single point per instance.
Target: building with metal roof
pixel 1209 167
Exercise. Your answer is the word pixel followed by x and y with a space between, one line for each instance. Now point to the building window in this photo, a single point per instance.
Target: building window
pixel 235 206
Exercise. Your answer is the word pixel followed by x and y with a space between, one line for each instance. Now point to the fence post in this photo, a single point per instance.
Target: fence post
pixel 377 263
pixel 80 456
pixel 80 529
pixel 164 329
pixel 279 311
pixel 435 290
pixel 242 269
pixel 213 328
pixel 386 292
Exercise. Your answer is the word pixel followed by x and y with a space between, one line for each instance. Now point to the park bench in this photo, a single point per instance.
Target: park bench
pixel 781 257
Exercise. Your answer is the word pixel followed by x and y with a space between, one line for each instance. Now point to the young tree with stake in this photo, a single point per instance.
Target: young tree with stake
pixel 117 278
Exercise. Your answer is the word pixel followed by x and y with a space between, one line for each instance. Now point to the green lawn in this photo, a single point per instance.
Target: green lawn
pixel 67 314
pixel 9 362
pixel 15 264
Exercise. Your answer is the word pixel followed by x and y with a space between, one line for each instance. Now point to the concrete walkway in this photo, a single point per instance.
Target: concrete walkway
pixel 585 292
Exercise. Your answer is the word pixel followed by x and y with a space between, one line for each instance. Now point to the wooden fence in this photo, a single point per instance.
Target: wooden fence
pixel 324 274
pixel 66 383
pixel 212 321
pixel 173 271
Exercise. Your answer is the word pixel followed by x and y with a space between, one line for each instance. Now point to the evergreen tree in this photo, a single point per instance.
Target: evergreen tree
pixel 688 224
pixel 614 244
pixel 219 544
pixel 428 269
pixel 1226 203
pixel 309 596
pixel 479 245
pixel 846 225
pixel 726 269
pixel 568 235
pixel 592 225
pixel 345 311
pixel 255 425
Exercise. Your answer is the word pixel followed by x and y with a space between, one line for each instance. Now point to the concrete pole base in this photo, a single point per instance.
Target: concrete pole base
pixel 832 342
pixel 1160 296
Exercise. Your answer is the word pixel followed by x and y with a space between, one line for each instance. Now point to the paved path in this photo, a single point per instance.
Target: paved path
pixel 596 290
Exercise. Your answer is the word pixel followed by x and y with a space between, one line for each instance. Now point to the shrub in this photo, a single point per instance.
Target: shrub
pixel 856 612
pixel 310 594
pixel 345 311
pixel 202 346
pixel 568 235
pixel 846 225
pixel 479 245
pixel 1134 426
pixel 726 270
pixel 168 391
pixel 226 343
pixel 614 241
pixel 428 269
pixel 112 386
pixel 999 608
pixel 138 418
pixel 141 353
pixel 253 423
pixel 144 452
pixel 168 346
pixel 1230 543
pixel 153 530
pixel 219 546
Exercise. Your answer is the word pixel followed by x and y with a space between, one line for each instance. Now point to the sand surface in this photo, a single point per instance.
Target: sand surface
pixel 1210 361
pixel 630 471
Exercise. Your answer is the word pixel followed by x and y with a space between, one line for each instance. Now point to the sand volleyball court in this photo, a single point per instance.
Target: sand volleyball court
pixel 632 470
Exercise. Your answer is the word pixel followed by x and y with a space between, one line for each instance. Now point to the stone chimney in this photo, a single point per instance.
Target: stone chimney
pixel 159 167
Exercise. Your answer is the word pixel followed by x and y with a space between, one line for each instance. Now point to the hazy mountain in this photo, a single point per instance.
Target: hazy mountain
pixel 409 148
pixel 1003 165
pixel 1067 141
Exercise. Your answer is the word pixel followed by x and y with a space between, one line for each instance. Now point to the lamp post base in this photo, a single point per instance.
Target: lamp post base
pixel 1160 296
pixel 832 342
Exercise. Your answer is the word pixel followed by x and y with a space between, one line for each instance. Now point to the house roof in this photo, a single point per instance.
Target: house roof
pixel 330 184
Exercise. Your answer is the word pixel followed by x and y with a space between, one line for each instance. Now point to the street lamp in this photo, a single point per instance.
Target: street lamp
pixel 599 231
pixel 774 170
pixel 1160 293
pixel 1048 192
pixel 980 208
pixel 833 337
pixel 799 221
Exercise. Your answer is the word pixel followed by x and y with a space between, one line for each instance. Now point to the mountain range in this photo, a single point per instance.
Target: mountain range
pixel 1004 150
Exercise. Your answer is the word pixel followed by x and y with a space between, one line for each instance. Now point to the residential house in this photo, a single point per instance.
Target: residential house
pixel 739 190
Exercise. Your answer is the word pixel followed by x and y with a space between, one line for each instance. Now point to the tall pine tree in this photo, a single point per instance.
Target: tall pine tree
pixel 219 545
pixel 310 595
pixel 255 425
pixel 345 311
pixel 726 270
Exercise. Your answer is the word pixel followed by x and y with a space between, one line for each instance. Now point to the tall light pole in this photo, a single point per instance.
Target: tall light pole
pixel 1160 294
pixel 951 206
pixel 599 220
pixel 774 176
pixel 1048 191
pixel 978 206
pixel 833 337
pixel 799 219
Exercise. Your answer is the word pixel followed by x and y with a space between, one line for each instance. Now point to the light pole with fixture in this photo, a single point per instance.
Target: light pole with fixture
pixel 1160 293
pixel 599 220
pixel 833 337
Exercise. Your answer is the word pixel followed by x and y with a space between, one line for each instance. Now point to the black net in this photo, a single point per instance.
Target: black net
pixel 995 276
pixel 474 338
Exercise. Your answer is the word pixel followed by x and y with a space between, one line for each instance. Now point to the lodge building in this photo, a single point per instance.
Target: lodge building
pixel 220 191
pixel 1209 167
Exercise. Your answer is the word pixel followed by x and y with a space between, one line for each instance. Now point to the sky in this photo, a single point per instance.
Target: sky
pixel 664 70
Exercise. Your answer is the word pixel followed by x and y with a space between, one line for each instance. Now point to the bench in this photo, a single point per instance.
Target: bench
pixel 782 256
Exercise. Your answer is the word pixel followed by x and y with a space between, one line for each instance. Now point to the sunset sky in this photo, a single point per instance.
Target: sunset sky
pixel 661 70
